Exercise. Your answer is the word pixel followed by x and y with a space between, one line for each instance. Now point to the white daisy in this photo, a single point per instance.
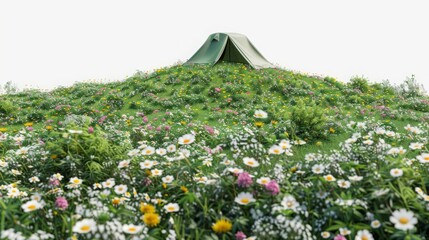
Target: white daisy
pixel 161 151
pixel 168 179
pixel 31 206
pixel 85 226
pixel 172 207
pixel 416 145
pixel 403 219
pixel 251 162
pixel 289 202
pixel 263 180
pixel 275 149
pixel 364 235
pixel 148 151
pixel 375 224
pixel 156 172
pixel 423 158
pixel 396 172
pixel 186 139
pixel 124 164
pixel 244 198
pixel 343 183
pixel 147 164
pixel 260 114
pixel 131 228
pixel 121 189
pixel 318 169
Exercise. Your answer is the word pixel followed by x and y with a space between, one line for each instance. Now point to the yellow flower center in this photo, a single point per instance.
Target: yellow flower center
pixel 77 181
pixel 186 141
pixel 426 158
pixel 264 181
pixel 276 151
pixel 404 220
pixel 171 208
pixel 364 237
pixel 245 200
pixel 148 151
pixel 32 207
pixel 85 228
pixel 132 229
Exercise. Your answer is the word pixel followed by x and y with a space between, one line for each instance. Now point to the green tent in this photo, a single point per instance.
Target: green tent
pixel 230 47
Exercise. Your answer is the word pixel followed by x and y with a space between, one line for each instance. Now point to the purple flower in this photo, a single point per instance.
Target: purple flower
pixel 167 128
pixel 101 120
pixel 145 119
pixel 158 129
pixel 90 130
pixel 30 129
pixel 244 180
pixel 273 187
pixel 240 235
pixel 61 203
pixel 340 237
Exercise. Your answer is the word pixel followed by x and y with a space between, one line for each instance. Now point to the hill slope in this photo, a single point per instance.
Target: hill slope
pixel 215 152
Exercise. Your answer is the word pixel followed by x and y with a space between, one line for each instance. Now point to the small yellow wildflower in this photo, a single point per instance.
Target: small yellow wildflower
pixel 147 208
pixel 151 219
pixel 222 226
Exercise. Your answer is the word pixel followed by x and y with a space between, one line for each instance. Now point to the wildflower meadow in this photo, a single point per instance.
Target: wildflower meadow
pixel 223 152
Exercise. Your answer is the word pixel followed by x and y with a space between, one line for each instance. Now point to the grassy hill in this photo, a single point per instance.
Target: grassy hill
pixel 181 137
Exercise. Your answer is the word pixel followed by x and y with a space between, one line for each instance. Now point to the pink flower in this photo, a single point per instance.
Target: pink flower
pixel 90 130
pixel 340 237
pixel 61 203
pixel 209 129
pixel 244 180
pixel 54 182
pixel 240 235
pixel 273 187
pixel 145 119
pixel 167 128
pixel 218 89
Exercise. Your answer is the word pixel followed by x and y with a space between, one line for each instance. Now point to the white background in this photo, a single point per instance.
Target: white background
pixel 48 43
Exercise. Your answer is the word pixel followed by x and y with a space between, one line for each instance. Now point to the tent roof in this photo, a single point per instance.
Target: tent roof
pixel 232 47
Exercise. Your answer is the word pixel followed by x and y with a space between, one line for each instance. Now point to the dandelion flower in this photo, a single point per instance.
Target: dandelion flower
pixel 147 208
pixel 403 219
pixel 244 198
pixel 85 226
pixel 222 226
pixel 151 219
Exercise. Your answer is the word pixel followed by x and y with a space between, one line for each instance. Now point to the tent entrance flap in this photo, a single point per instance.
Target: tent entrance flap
pixel 229 47
pixel 231 54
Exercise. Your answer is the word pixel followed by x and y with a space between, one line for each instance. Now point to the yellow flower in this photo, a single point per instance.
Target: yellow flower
pixel 3 129
pixel 28 124
pixel 259 124
pixel 222 226
pixel 48 128
pixel 293 169
pixel 184 189
pixel 331 130
pixel 151 219
pixel 319 143
pixel 164 185
pixel 147 208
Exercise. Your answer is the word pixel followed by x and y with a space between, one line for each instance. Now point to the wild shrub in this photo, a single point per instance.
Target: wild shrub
pixel 308 120
pixel 410 88
pixel 6 107
pixel 359 83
